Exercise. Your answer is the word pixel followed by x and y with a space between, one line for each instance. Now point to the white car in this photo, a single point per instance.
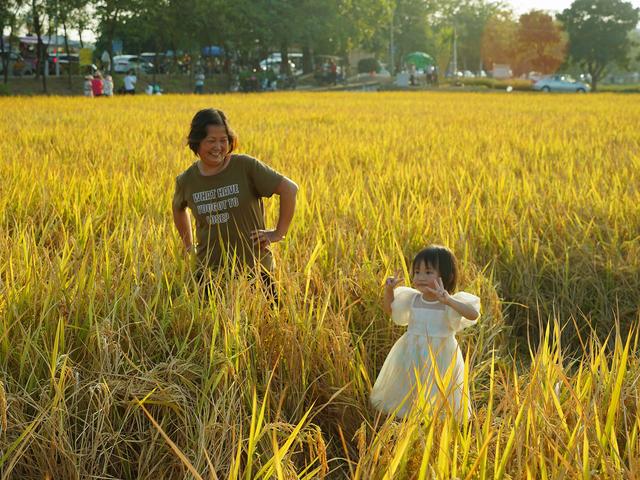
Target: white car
pixel 276 65
pixel 560 83
pixel 275 59
pixel 124 63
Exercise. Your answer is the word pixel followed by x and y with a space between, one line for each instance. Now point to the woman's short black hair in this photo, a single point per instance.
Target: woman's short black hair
pixel 443 260
pixel 199 124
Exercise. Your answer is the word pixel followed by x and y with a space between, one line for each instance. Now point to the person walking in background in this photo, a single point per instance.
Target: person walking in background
pixel 412 75
pixel 105 59
pixel 224 191
pixel 199 78
pixel 333 72
pixel 86 86
pixel 425 368
pixel 97 85
pixel 107 86
pixel 130 83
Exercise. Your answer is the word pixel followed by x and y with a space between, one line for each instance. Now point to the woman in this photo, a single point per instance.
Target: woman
pixel 224 193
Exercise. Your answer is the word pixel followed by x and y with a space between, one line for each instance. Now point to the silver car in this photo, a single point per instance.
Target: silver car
pixel 560 83
pixel 124 63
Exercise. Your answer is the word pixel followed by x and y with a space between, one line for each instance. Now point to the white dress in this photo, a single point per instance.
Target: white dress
pixel 408 377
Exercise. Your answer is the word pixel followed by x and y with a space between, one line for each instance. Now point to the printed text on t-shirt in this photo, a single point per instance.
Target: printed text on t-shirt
pixel 223 201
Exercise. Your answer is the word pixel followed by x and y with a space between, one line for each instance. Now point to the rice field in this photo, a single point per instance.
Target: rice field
pixel 112 365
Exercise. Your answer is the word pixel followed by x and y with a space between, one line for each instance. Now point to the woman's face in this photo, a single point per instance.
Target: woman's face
pixel 214 147
pixel 425 276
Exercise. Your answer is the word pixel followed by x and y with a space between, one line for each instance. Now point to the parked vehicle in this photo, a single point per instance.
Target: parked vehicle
pixel 268 64
pixel 274 60
pixel 158 61
pixel 66 61
pixel 124 63
pixel 17 65
pixel 560 83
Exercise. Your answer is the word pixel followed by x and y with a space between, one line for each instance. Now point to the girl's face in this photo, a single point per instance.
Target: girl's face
pixel 425 276
pixel 214 147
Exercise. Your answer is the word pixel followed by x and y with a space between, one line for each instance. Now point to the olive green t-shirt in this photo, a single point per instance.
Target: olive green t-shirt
pixel 227 207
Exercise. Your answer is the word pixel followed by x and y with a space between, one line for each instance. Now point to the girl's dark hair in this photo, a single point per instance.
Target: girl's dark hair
pixel 443 260
pixel 204 118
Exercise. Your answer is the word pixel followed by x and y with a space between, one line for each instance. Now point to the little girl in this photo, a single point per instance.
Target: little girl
pixel 426 366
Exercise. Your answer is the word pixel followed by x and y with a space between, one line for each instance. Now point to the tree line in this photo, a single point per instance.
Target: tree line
pixel 593 34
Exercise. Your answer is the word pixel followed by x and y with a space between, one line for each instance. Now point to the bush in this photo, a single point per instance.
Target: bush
pixel 630 88
pixel 4 90
pixel 516 84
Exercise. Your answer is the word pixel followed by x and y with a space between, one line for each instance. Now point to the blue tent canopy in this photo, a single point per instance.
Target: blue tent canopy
pixel 213 51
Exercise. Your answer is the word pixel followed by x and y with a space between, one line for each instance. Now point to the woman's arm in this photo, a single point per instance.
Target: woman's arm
pixel 287 190
pixel 183 225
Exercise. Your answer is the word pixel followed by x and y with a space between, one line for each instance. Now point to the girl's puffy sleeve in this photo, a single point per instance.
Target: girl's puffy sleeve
pixel 457 321
pixel 401 305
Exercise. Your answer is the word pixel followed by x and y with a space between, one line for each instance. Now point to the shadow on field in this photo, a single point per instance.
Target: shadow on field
pixel 586 293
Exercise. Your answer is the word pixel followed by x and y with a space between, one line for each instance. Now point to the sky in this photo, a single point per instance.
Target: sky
pixel 554 6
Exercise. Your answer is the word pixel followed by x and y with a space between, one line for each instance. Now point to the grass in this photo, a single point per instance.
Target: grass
pixel 113 366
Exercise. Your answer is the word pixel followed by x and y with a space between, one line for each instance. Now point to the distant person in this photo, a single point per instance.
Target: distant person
pixel 107 86
pixel 106 62
pixel 86 86
pixel 412 75
pixel 224 192
pixel 333 72
pixel 429 349
pixel 199 78
pixel 433 75
pixel 153 89
pixel 130 83
pixel 428 73
pixel 272 79
pixel 97 84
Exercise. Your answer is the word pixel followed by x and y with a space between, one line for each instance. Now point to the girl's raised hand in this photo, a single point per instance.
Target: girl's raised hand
pixel 392 282
pixel 440 292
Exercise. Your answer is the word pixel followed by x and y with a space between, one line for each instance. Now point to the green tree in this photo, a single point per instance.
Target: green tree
pixel 599 34
pixel 111 15
pixel 470 21
pixel 36 22
pixel 634 53
pixel 9 20
pixel 440 41
pixel 68 13
pixel 365 23
pixel 462 22
pixel 411 28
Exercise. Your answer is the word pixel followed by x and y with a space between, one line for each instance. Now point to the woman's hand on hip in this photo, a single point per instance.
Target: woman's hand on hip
pixel 264 238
